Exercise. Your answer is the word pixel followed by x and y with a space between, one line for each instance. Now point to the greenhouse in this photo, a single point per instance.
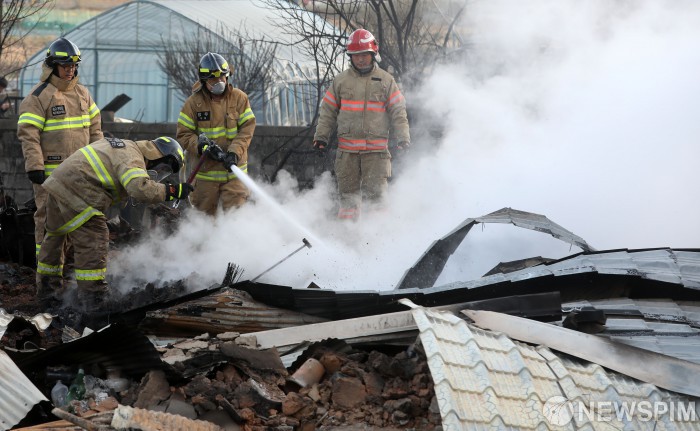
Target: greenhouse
pixel 120 51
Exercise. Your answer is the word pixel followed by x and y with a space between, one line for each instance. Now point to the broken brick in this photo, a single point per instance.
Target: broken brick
pixel 348 392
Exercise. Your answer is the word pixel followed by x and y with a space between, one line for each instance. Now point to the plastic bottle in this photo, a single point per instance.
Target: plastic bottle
pixel 76 391
pixel 59 394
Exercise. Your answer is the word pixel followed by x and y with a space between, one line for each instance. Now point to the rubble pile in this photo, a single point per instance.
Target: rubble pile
pixel 221 380
pixel 252 390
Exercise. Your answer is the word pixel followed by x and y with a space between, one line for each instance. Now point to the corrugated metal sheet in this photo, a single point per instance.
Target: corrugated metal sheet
pixel 116 346
pixel 17 394
pixel 120 49
pixel 484 381
pixel 221 311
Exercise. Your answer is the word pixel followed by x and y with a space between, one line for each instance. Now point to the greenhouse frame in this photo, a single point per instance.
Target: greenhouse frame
pixel 120 50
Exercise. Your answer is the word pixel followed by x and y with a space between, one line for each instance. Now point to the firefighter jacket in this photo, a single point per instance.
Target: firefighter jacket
pixel 56 119
pixel 103 173
pixel 230 123
pixel 364 107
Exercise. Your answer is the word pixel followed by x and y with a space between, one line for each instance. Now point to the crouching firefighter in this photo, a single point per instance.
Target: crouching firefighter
pixel 80 191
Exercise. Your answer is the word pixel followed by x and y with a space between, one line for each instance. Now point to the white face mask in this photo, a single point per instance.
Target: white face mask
pixel 218 88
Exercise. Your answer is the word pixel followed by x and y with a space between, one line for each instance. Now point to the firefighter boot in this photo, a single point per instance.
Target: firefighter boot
pixel 93 296
pixel 49 291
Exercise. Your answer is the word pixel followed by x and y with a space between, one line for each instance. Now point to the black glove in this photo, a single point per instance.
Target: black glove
pixel 37 177
pixel 202 143
pixel 230 159
pixel 403 145
pixel 177 191
pixel 215 153
pixel 320 145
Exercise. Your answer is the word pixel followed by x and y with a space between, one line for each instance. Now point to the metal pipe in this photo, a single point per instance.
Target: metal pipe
pixel 306 244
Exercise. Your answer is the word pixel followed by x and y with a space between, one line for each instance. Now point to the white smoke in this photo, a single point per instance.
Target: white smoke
pixel 585 112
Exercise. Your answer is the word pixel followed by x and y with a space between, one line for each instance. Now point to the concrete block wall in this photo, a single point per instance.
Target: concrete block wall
pixel 272 148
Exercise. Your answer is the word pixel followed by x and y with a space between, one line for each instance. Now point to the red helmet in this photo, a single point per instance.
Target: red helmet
pixel 361 41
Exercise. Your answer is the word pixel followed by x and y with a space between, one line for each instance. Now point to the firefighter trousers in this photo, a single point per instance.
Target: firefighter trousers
pixel 90 242
pixel 40 195
pixel 361 176
pixel 207 194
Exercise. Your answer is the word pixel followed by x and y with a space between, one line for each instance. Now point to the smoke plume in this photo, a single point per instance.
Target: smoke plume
pixel 585 112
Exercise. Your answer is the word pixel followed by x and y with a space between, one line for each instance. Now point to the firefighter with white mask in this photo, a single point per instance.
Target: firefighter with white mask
pixel 223 115
pixel 80 191
pixel 56 118
pixel 363 103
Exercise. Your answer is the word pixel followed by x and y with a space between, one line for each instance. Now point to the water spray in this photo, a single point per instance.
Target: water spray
pixel 271 202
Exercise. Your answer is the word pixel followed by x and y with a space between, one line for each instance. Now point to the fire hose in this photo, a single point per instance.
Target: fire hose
pixel 196 169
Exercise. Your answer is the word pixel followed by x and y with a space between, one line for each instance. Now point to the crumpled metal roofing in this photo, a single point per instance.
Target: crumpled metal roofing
pixel 431 263
pixel 41 321
pixel 484 380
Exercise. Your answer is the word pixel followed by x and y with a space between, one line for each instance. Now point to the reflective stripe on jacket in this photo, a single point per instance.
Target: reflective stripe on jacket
pixel 97 176
pixel 363 108
pixel 56 119
pixel 230 123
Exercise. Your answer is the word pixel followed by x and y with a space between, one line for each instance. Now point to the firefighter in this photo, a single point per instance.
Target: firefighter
pixel 223 114
pixel 56 118
pixel 363 103
pixel 80 191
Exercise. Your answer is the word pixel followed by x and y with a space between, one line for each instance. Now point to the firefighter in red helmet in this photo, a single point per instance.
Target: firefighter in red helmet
pixel 363 103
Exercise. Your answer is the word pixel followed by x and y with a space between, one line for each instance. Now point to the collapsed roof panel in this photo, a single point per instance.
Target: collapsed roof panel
pixel 485 380
pixel 664 371
pixel 659 325
pixel 432 262
pixel 615 273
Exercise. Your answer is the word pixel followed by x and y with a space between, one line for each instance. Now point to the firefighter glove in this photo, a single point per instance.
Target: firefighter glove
pixel 215 152
pixel 403 145
pixel 202 143
pixel 37 177
pixel 230 159
pixel 177 191
pixel 320 145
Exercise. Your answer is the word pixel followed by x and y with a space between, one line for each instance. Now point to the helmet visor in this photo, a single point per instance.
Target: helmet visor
pixel 65 58
pixel 160 170
pixel 213 73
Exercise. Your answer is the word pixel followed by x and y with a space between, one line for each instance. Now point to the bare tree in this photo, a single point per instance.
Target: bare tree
pixel 413 35
pixel 14 14
pixel 321 42
pixel 251 59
